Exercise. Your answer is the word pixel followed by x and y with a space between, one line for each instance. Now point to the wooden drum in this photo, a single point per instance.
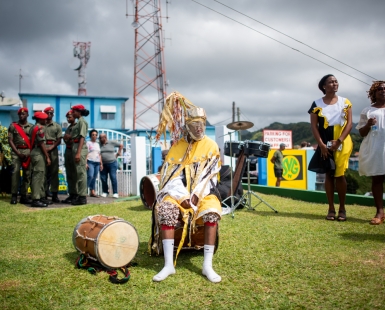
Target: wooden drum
pixel 110 240
pixel 149 188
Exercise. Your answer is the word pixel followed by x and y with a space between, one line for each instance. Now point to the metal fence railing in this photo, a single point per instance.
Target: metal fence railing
pixel 123 176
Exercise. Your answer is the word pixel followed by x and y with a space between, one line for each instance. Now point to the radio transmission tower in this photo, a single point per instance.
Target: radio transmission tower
pixel 150 71
pixel 79 63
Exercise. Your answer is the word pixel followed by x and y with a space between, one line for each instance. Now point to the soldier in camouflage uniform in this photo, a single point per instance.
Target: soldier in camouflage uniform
pixel 80 151
pixel 53 135
pixel 69 161
pixel 18 140
pixel 39 160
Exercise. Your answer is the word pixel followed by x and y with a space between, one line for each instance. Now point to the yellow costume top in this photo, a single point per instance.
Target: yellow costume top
pixel 189 169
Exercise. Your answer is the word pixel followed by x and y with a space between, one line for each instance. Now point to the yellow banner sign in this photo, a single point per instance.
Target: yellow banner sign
pixel 294 169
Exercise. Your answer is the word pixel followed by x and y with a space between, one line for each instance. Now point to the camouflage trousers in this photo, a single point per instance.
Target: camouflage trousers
pixel 52 172
pixel 38 166
pixel 70 172
pixel 16 164
pixel 81 169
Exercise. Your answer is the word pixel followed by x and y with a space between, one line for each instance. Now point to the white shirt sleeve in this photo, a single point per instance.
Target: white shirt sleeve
pixel 363 118
pixel 176 189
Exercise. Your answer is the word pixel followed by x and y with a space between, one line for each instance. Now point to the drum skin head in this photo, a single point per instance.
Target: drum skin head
pixel 110 240
pixel 117 244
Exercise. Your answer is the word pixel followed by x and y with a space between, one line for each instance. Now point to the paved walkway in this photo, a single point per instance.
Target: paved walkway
pixel 90 200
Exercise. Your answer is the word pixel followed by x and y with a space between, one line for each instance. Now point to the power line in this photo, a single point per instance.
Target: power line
pixel 314 49
pixel 221 121
pixel 228 17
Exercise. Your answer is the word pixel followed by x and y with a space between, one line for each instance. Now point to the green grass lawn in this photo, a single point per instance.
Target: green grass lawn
pixel 290 260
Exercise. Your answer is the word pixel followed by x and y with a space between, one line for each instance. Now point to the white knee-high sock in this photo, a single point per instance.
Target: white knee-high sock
pixel 168 269
pixel 207 269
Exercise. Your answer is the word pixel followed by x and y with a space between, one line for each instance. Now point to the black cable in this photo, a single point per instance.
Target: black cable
pixel 280 42
pixel 314 49
pixel 221 121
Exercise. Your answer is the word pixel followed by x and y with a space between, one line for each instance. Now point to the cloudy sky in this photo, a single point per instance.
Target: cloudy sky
pixel 209 58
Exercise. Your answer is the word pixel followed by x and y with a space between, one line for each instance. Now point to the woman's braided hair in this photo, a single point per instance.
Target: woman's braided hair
pixel 372 91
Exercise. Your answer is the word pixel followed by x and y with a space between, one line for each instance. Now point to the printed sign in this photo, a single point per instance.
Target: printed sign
pixel 276 137
pixel 294 169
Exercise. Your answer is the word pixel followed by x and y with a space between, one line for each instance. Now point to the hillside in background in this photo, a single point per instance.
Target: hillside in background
pixel 301 132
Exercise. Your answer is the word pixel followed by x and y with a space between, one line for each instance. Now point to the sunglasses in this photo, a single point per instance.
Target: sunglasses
pixel 380 88
pixel 94 134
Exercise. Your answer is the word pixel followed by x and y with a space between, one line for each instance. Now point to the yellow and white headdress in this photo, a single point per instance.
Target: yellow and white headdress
pixel 177 112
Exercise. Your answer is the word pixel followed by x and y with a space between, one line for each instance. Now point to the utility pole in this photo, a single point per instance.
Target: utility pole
pixel 233 111
pixel 21 76
pixel 239 119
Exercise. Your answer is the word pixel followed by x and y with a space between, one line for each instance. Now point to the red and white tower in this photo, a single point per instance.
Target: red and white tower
pixel 149 72
pixel 79 63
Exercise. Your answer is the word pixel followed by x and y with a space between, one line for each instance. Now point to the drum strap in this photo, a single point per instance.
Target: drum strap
pixel 94 267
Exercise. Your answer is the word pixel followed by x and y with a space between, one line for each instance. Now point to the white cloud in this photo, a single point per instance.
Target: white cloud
pixel 212 60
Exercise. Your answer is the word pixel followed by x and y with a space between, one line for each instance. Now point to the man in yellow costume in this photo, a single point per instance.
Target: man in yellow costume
pixel 188 177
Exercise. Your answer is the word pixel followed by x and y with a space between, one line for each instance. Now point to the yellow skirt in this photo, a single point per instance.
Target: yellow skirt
pixel 341 158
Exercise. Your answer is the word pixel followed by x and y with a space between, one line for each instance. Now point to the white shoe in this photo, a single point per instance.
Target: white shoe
pixel 115 195
pixel 104 195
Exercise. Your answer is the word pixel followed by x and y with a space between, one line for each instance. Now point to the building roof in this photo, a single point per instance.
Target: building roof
pixel 9 108
pixel 72 96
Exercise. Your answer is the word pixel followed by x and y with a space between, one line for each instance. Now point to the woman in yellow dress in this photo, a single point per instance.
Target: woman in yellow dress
pixel 331 122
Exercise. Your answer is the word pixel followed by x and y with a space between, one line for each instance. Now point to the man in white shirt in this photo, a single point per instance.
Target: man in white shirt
pixel 126 159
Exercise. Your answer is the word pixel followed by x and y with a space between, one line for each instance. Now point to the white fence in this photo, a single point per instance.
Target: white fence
pixel 123 176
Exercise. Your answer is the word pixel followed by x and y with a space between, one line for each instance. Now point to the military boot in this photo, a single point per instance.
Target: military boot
pixel 14 199
pixel 69 199
pixel 55 198
pixel 81 200
pixel 25 200
pixel 46 201
pixel 36 203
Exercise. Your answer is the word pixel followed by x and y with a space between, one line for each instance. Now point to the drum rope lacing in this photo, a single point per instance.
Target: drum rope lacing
pixel 95 267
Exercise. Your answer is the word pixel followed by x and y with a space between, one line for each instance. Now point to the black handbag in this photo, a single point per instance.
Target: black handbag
pixel 319 164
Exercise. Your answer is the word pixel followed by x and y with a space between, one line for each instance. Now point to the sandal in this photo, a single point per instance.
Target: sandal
pixel 377 221
pixel 341 216
pixel 331 216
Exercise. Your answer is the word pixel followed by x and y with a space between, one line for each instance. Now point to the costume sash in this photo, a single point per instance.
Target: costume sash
pixel 24 164
pixel 33 136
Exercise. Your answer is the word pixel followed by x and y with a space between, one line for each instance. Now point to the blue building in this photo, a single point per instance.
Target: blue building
pixel 8 114
pixel 105 112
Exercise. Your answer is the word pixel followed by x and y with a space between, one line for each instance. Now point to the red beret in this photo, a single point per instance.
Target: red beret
pixel 79 107
pixel 69 113
pixel 40 115
pixel 48 109
pixel 22 110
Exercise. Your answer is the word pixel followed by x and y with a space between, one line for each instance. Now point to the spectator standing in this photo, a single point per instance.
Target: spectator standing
pixel 53 135
pixel 110 164
pixel 372 150
pixel 94 162
pixel 306 146
pixel 69 160
pixel 19 142
pixel 331 122
pixel 126 159
pixel 277 160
